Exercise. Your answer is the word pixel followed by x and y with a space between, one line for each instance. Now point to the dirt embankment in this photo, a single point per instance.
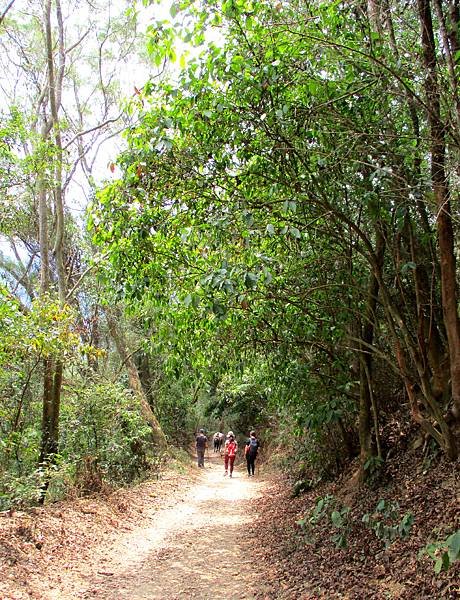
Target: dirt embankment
pixel 304 563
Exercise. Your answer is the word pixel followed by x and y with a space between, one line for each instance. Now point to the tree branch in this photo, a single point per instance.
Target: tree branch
pixel 100 126
pixel 3 15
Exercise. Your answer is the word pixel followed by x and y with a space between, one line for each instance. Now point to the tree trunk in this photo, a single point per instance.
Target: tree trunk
pixel 134 379
pixel 367 409
pixel 47 442
pixel 442 198
pixel 53 370
pixel 374 15
pixel 431 346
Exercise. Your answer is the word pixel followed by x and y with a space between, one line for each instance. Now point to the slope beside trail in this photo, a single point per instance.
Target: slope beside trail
pixel 192 546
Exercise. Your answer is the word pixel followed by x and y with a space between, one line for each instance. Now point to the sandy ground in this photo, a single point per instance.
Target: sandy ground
pixel 192 547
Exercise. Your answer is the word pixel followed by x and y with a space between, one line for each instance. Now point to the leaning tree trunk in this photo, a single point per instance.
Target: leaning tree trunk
pixel 134 380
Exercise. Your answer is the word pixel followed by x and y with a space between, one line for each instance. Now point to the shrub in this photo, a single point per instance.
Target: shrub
pixel 444 553
pixel 386 524
pixel 326 507
pixel 104 436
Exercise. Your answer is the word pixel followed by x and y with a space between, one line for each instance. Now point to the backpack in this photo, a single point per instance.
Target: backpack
pixel 252 446
pixel 201 442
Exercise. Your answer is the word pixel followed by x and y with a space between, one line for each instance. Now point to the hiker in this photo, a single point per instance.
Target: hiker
pixel 217 441
pixel 230 450
pixel 201 445
pixel 250 451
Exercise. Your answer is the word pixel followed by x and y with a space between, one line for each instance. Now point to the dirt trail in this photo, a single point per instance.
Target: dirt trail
pixel 192 549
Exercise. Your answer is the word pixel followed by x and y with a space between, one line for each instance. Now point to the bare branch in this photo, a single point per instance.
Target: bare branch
pixel 95 128
pixel 82 276
pixel 78 42
pixel 3 15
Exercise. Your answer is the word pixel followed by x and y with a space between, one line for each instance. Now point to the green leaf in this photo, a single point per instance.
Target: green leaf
pixel 406 524
pixel 340 541
pixel 430 549
pixel 248 218
pixel 218 309
pixel 228 286
pixel 453 545
pixel 250 280
pixel 438 565
pixel 407 266
pixel 195 300
pixel 295 232
pixel 290 206
pixel 337 519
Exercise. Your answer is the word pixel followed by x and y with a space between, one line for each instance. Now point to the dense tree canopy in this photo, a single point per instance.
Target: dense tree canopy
pixel 291 189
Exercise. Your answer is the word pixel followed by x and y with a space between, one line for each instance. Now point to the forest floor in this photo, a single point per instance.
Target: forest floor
pixel 195 534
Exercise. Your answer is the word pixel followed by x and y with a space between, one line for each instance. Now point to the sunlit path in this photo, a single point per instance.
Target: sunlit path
pixel 193 549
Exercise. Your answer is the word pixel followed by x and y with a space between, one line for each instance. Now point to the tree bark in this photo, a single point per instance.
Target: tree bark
pixel 431 345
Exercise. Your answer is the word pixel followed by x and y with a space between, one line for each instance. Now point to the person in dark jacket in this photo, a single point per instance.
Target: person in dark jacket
pixel 250 450
pixel 201 443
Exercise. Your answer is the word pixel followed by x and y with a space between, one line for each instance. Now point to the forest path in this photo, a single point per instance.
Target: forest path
pixel 193 548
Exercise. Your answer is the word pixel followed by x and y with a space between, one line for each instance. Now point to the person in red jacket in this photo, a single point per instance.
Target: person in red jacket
pixel 230 450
